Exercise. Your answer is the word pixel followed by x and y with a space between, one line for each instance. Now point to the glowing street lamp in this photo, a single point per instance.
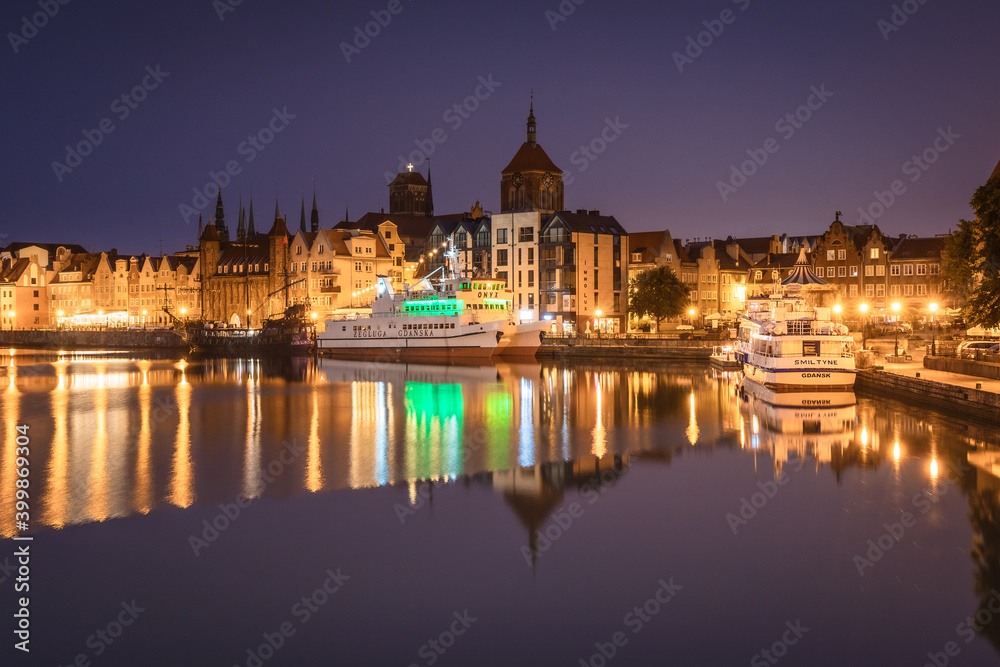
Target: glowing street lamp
pixel 895 309
pixel 933 308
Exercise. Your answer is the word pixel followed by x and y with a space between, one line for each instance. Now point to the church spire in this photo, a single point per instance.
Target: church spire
pixel 531 120
pixel 241 227
pixel 199 225
pixel 347 214
pixel 277 211
pixel 429 200
pixel 314 216
pixel 251 231
pixel 220 217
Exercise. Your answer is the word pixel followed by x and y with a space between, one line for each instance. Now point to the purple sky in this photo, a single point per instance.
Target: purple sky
pixel 892 91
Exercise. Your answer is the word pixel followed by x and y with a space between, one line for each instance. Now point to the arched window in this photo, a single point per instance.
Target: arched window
pixel 759 275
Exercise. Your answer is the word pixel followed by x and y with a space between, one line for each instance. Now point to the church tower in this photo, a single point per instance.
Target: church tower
pixel 531 182
pixel 220 218
pixel 408 193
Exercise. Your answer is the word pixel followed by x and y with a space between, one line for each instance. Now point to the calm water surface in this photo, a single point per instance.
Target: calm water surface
pixel 230 512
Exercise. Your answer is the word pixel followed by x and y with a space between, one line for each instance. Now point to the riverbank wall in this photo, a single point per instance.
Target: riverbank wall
pixel 92 340
pixel 624 349
pixel 975 403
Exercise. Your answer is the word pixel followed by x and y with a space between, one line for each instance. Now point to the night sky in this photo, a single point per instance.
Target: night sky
pixel 888 92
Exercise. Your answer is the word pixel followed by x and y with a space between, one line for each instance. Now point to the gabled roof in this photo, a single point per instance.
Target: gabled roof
pixel 919 248
pixel 650 244
pixel 13 270
pixel 50 247
pixel 783 260
pixel 681 253
pixel 586 223
pixel 531 157
pixel 416 226
pixel 996 171
pixel 755 245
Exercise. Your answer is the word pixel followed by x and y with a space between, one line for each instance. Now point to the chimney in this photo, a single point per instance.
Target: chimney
pixel 581 211
pixel 595 212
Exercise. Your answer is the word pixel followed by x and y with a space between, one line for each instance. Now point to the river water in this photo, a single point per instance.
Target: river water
pixel 239 512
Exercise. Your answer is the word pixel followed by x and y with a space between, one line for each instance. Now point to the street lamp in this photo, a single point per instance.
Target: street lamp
pixel 691 316
pixel 895 309
pixel 864 322
pixel 10 315
pixel 597 320
pixel 933 308
pixel 144 320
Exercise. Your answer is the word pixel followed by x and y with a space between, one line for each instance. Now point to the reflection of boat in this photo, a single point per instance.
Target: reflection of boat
pixel 785 345
pixel 286 335
pixel 458 318
pixel 799 422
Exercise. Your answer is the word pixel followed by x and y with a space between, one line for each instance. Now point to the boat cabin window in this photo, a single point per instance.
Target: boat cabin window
pixel 810 348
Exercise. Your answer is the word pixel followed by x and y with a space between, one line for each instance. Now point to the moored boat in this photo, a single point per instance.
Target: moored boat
pixel 288 335
pixel 786 345
pixel 457 318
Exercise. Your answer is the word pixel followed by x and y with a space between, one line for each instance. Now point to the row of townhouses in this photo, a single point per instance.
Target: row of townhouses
pixel 570 267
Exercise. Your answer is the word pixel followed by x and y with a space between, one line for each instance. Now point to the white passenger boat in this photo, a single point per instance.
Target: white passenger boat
pixel 786 345
pixel 456 318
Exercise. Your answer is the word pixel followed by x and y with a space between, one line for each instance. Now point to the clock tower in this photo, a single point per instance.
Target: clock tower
pixel 531 182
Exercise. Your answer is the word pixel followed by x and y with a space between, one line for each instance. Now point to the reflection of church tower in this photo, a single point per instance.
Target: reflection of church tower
pixel 531 182
pixel 408 193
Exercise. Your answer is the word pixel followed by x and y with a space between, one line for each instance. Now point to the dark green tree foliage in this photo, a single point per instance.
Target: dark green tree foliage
pixel 658 293
pixel 958 263
pixel 983 307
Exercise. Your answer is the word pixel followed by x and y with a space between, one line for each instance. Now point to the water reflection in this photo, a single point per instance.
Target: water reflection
pixel 116 437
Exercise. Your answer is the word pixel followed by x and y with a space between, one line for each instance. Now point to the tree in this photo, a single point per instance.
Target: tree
pixel 957 261
pixel 657 293
pixel 980 242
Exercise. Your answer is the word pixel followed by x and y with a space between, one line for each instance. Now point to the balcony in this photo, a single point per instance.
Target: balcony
pixel 329 289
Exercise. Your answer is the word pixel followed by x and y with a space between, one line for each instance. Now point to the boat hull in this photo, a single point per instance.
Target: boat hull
pixel 521 340
pixel 801 379
pixel 472 341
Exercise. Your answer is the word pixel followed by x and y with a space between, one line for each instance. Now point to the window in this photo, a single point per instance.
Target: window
pixel 502 257
pixel 501 236
pixel 357 266
pixel 693 296
pixel 853 291
pixel 841 254
pixel 531 255
pixel 831 255
pixel 298 250
pixel 35 293
pixel 880 270
pixel 921 269
pixel 595 255
pixel 34 306
pixel 388 234
pixel 831 271
pixel 921 290
pixel 880 290
pixel 525 234
pixel 894 270
pixel 907 269
pixel 934 269
pixel 869 271
pixel 854 272
pixel 907 290
pixel 368 267
pixel 873 254
pixel 841 271
pixel 894 290
pixel 320 249
pixel 757 276
pixel 518 278
pixel 531 278
pixel 869 291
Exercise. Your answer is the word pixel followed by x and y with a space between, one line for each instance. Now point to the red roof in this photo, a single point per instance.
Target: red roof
pixel 531 157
